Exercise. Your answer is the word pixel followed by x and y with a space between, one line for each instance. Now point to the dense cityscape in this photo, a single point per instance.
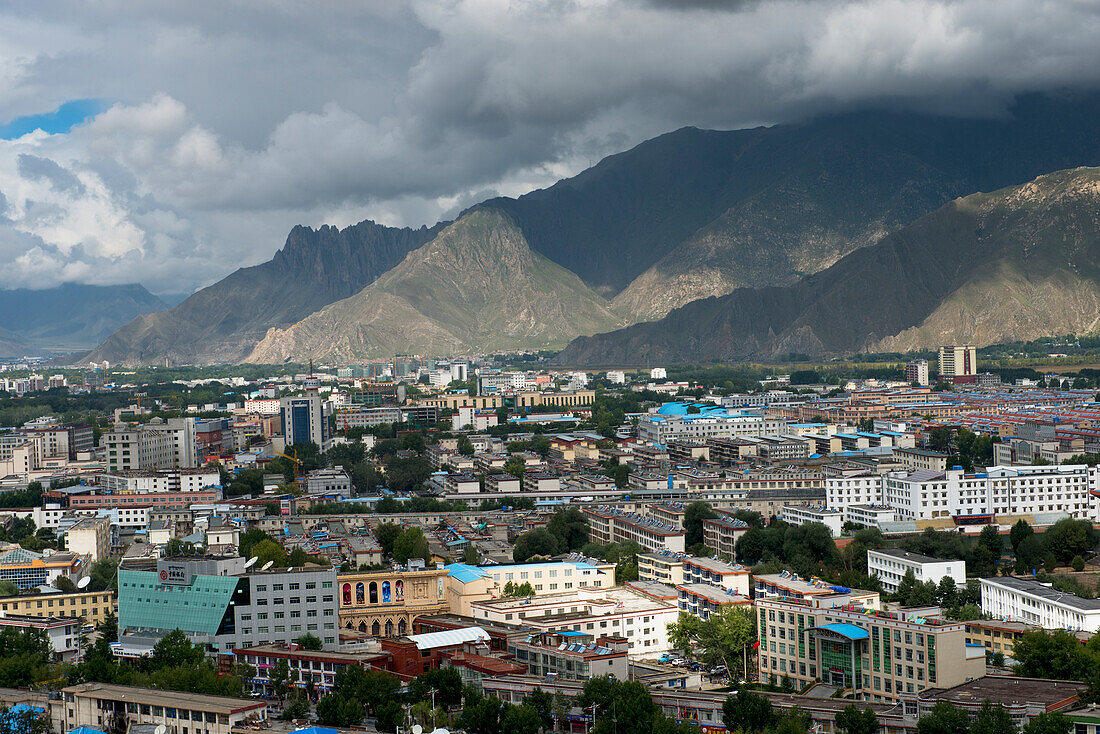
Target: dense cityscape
pixel 492 545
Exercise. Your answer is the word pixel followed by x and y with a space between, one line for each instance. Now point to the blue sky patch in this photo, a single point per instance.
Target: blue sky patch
pixel 61 120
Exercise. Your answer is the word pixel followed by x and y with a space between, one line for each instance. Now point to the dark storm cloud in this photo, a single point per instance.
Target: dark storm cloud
pixel 235 121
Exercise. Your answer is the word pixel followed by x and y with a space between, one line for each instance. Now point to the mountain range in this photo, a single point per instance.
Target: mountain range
pixel 1019 263
pixel 693 214
pixel 68 317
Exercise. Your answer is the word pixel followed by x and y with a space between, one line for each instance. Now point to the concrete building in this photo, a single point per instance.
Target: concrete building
pixel 618 611
pixel 924 494
pixel 315 669
pixel 731 577
pixel 869 516
pixel 220 604
pixel 612 525
pixel 148 481
pixel 663 567
pixel 721 534
pixel 385 603
pixel 819 593
pixel 27 569
pixel 91 607
pixel 660 429
pixel 63 632
pixel 158 444
pixel 917 372
pixel 305 419
pixel 802 514
pixel 329 481
pixel 913 458
pixel 878 657
pixel 1026 600
pixel 891 565
pixel 90 537
pixel 107 707
pixel 572 655
pixel 467 584
pixel 958 361
pixel 864 488
pixel 703 600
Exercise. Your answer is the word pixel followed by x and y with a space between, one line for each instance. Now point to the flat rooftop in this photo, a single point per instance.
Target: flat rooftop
pixel 1034 588
pixel 714 593
pixel 158 697
pixel 904 555
pixel 1007 690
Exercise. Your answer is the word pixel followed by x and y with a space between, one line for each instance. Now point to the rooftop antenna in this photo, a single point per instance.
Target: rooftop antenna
pixel 83 583
pixel 267 565
pixel 251 562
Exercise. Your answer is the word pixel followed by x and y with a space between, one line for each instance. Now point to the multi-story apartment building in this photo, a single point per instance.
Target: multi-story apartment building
pixel 660 429
pixel 863 488
pixel 329 481
pixel 158 444
pixel 878 656
pixel 731 577
pixel 721 534
pixel 62 632
pixel 316 669
pixel 1027 600
pixel 467 584
pixel 802 514
pixel 360 416
pixel 618 611
pixel 220 604
pixel 958 361
pixel 926 494
pixel 703 600
pixel 90 606
pixel 105 707
pixel 572 655
pixel 612 525
pixel 869 516
pixel 914 458
pixel 788 585
pixel 663 567
pixel 153 482
pixel 90 537
pixel 891 565
pixel 917 372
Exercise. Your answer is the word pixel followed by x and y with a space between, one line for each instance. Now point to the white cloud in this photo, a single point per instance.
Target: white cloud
pixel 231 122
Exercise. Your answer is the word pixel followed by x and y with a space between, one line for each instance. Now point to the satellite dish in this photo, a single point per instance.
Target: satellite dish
pixel 161 729
pixel 267 565
pixel 82 583
pixel 251 562
pixel 418 729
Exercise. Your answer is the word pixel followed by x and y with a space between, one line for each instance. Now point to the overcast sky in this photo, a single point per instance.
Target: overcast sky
pixel 171 143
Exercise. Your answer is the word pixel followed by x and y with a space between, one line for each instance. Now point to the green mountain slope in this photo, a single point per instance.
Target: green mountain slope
pixel 1019 263
pixel 476 287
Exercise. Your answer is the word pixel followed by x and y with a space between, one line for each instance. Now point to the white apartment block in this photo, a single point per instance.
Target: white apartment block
pixel 924 494
pixel 262 406
pixel 859 489
pixel 800 515
pixel 1028 601
pixel 661 429
pixel 145 482
pixel 891 565
pixel 958 361
pixel 157 444
pixel 869 516
pixel 621 611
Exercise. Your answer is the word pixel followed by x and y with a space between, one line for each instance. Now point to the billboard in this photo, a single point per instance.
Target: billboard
pixel 173 572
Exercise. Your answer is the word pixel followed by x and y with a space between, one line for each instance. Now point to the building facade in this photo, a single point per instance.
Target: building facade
pixel 891 564
pixel 385 603
pixel 1026 600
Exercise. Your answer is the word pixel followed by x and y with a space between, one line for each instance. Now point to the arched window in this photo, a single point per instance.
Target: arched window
pixel 385 592
pixel 389 628
pixel 401 627
pixel 362 626
pixel 359 593
pixel 373 589
pixel 347 593
pixel 399 590
pixel 375 628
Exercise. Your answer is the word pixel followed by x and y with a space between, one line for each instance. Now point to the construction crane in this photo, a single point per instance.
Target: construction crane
pixel 293 459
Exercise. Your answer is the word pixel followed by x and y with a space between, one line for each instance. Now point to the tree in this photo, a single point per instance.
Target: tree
pixel 747 711
pixel 470 555
pixel 944 718
pixel 309 641
pixel 1019 532
pixel 465 446
pixel 445 681
pixel 537 542
pixel 104 575
pixel 939 439
pixel 992 719
pixel 386 535
pixel 279 678
pixel 1078 563
pixel 336 710
pixel 1049 724
pixel 25 721
pixel 521 720
pixel 694 514
pixel 1068 538
pixel 1057 655
pixel 388 716
pixel 543 704
pixel 108 628
pixel 8 588
pixel 990 539
pixel 269 551
pixel 411 544
pixel 484 717
pixel 175 650
pixel 855 720
pixel 296 708
pixel 570 527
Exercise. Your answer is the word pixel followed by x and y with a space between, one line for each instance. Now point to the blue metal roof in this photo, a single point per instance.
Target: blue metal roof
pixel 851 631
pixel 572 633
pixel 466 573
